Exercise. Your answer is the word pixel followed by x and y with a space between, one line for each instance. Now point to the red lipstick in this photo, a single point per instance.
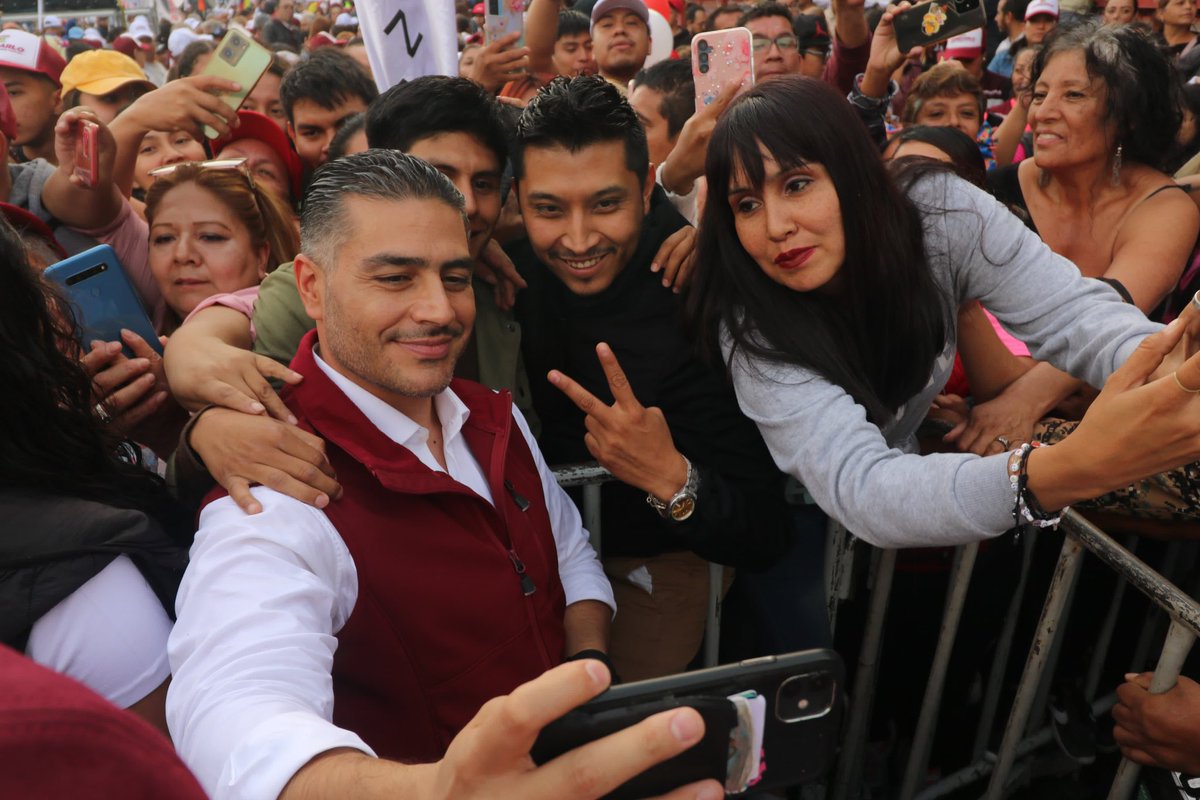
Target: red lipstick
pixel 794 259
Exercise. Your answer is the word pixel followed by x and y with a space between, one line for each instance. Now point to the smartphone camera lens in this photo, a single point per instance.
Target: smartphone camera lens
pixel 704 47
pixel 227 53
pixel 805 697
pixel 703 67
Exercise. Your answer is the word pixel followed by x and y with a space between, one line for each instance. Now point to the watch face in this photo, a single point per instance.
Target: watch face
pixel 682 508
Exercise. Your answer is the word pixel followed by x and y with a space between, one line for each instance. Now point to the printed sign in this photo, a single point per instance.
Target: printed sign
pixel 408 38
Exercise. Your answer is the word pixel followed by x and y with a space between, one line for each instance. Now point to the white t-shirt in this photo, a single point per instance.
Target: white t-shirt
pixel 109 634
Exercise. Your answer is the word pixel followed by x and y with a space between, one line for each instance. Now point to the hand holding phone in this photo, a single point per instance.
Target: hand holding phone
pixel 937 21
pixel 770 722
pixel 720 59
pixel 240 59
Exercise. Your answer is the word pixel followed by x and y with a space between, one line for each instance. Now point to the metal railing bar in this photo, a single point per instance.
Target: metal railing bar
pixel 1065 572
pixel 931 704
pixel 1170 661
pixel 1166 594
pixel 991 699
pixel 849 771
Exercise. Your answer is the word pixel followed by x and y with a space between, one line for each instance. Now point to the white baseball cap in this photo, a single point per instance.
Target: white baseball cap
pixel 51 22
pixel 1042 7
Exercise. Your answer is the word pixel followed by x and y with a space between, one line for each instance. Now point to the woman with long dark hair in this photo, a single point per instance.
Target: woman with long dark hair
pixel 830 291
pixel 92 547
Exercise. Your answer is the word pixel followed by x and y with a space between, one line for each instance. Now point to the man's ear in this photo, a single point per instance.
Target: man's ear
pixel 310 282
pixel 648 189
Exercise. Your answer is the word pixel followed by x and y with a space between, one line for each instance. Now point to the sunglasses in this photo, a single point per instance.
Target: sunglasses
pixel 238 164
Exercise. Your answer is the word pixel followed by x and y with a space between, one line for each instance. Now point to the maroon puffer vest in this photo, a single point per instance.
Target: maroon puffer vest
pixel 458 601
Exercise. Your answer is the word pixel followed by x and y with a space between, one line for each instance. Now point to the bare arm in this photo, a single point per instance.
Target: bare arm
pixel 989 365
pixel 541 32
pixel 64 196
pixel 1009 134
pixel 1154 246
pixel 851 19
pixel 587 623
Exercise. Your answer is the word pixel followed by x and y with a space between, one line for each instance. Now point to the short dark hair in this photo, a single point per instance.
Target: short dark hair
pixel 185 65
pixel 769 9
pixel 673 79
pixel 575 113
pixel 942 80
pixel 1016 8
pixel 692 10
pixel 1142 88
pixel 435 104
pixel 376 173
pixel 350 126
pixel 571 23
pixel 328 77
pixel 728 8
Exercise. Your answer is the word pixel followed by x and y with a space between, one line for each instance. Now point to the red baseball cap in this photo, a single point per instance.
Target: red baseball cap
pixel 128 45
pixel 253 125
pixel 8 120
pixel 24 51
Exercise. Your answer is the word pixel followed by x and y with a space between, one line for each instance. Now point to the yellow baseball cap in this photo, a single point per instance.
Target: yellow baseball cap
pixel 101 71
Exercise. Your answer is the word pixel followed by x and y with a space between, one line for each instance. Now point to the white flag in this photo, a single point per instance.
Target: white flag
pixel 408 38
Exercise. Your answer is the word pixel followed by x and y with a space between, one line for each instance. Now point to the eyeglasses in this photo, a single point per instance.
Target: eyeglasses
pixel 785 42
pixel 238 164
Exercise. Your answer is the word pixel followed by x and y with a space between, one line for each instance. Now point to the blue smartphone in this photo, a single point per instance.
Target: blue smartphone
pixel 102 297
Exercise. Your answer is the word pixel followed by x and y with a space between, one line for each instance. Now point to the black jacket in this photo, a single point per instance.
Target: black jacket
pixel 741 518
pixel 53 544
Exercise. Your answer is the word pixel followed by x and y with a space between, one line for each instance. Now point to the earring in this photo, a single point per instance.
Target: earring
pixel 1116 175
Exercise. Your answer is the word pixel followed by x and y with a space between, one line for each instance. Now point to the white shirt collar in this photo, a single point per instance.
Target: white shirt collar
pixel 451 411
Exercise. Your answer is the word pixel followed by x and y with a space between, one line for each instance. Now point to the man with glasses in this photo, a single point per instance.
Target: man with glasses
pixel 776 48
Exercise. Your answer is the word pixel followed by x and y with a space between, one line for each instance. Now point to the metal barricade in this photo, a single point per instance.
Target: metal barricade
pixel 590 476
pixel 1019 742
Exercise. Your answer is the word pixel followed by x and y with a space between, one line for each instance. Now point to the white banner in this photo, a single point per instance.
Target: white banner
pixel 408 38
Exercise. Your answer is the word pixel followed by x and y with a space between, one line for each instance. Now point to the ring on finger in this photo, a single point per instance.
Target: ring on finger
pixel 1179 383
pixel 1004 442
pixel 102 413
pixel 1196 300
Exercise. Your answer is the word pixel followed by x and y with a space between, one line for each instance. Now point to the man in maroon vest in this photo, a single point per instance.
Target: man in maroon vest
pixel 452 569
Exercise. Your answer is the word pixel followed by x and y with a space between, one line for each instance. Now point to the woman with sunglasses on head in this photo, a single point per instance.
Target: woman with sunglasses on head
pixel 830 292
pixel 215 233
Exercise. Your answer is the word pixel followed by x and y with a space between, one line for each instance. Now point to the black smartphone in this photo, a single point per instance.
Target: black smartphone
pixel 793 702
pixel 937 21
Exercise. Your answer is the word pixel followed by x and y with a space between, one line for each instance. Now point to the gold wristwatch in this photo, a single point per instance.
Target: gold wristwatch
pixel 683 503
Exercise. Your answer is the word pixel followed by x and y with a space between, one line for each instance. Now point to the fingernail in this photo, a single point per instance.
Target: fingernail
pixel 1175 323
pixel 1130 676
pixel 292 419
pixel 552 377
pixel 654 267
pixel 685 727
pixel 710 791
pixel 322 500
pixel 666 282
pixel 125 333
pixel 114 347
pixel 596 671
pixel 257 408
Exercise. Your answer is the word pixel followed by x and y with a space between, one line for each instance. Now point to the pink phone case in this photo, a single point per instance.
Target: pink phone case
pixel 87 153
pixel 720 58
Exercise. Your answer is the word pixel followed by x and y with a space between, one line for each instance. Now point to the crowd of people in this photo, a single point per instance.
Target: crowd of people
pixel 937 296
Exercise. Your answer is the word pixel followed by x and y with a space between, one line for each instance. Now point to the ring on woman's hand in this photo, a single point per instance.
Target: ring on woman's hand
pixel 102 413
pixel 1179 383
pixel 1003 440
pixel 1196 300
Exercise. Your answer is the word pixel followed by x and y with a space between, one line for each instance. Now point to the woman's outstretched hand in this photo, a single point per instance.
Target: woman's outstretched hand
pixel 1141 424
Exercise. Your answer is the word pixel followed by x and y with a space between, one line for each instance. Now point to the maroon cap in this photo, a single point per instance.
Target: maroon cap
pixel 253 125
pixel 24 51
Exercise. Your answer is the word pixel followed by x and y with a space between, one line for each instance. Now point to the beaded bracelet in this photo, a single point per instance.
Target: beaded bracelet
pixel 1026 509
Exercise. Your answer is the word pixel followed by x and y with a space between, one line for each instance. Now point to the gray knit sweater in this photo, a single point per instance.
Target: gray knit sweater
pixel 870 479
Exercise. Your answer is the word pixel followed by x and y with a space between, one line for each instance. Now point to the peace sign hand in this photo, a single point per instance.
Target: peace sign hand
pixel 629 440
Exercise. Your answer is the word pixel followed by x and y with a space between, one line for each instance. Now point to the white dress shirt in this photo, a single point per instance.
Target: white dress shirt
pixel 264 596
